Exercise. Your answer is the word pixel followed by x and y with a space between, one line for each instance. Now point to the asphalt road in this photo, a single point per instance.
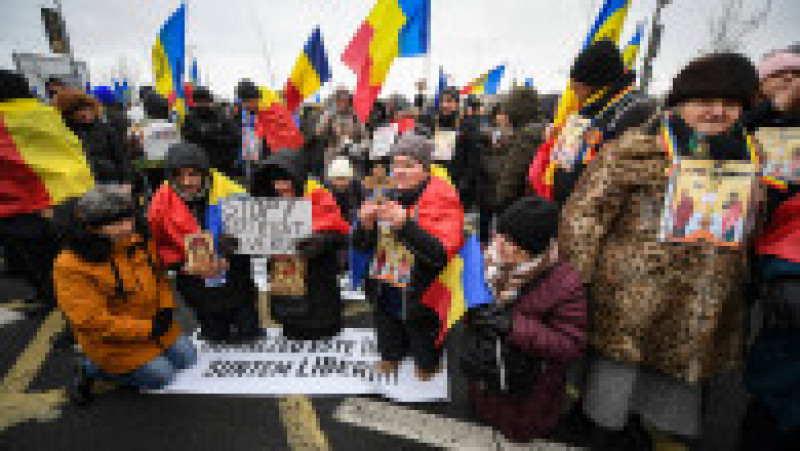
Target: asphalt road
pixel 34 415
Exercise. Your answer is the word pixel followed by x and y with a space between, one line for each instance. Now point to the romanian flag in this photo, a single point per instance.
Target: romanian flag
pixel 393 28
pixel 171 220
pixel 632 49
pixel 168 60
pixel 487 83
pixel 311 71
pixel 326 216
pixel 607 25
pixel 41 161
pixel 275 123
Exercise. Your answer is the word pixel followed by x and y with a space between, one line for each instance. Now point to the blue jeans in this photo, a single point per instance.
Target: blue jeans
pixel 157 373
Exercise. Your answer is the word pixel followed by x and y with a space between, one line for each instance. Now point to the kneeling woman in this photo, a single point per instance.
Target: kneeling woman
pixel 304 293
pixel 117 298
pixel 519 346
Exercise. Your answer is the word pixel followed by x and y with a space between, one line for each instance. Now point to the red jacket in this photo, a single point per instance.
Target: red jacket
pixel 781 238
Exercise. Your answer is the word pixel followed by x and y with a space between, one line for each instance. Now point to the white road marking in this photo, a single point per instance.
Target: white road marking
pixel 8 316
pixel 428 428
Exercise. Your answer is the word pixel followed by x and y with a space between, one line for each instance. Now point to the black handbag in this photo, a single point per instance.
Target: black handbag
pixel 496 364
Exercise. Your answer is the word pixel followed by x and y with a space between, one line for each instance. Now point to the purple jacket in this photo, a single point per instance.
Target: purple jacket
pixel 549 321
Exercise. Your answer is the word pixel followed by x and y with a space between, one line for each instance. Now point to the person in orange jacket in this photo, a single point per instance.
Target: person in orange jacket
pixel 117 299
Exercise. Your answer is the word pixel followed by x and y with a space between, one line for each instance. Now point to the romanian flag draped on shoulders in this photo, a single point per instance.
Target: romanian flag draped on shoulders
pixel 311 71
pixel 488 83
pixel 42 162
pixel 275 123
pixel 171 220
pixel 394 28
pixel 169 52
pixel 326 216
pixel 462 283
pixel 607 25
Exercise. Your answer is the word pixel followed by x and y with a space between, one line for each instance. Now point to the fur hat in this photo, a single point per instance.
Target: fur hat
pixel 716 76
pixel 600 64
pixel 530 223
pixel 247 90
pixel 414 146
pixel 102 205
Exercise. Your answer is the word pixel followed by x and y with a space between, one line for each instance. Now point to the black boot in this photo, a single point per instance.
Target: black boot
pixel 79 389
pixel 574 428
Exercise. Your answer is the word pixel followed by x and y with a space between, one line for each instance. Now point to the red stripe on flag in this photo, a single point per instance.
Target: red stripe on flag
pixel 438 297
pixel 275 124
pixel 21 189
pixel 292 96
pixel 356 54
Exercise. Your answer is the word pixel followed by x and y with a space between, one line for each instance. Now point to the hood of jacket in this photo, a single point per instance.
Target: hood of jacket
pixel 287 163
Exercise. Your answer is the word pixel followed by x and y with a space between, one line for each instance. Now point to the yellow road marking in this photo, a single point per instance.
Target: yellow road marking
pixel 28 363
pixel 17 406
pixel 357 309
pixel 299 419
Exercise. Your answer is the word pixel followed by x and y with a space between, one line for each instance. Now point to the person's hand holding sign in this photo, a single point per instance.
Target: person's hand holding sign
pixel 392 213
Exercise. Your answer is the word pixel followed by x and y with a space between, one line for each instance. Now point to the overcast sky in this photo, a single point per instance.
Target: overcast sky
pixel 260 39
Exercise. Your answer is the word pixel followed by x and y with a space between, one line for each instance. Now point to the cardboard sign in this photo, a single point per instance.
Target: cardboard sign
pixel 383 138
pixel 157 137
pixel 266 226
pixel 445 145
pixel 780 150
pixel 274 366
pixel 708 201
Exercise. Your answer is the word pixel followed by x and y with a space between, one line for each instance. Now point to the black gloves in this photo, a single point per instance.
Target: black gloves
pixel 161 322
pixel 311 246
pixel 227 244
pixel 492 320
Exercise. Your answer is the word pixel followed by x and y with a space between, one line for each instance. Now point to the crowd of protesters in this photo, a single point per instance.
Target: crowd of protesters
pixel 585 286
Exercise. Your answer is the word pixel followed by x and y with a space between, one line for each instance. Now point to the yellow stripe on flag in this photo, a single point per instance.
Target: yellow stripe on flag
pixel 268 97
pixel 222 187
pixel 451 278
pixel 162 72
pixel 386 20
pixel 441 172
pixel 48 147
pixel 304 77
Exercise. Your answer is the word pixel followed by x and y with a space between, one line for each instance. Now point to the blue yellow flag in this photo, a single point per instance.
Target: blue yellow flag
pixel 169 53
pixel 632 49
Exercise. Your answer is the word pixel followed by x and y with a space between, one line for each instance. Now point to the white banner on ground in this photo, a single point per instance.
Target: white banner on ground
pixel 274 365
pixel 266 226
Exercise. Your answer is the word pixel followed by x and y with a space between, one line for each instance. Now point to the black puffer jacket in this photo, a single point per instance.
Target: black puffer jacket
pixel 104 147
pixel 318 314
pixel 216 134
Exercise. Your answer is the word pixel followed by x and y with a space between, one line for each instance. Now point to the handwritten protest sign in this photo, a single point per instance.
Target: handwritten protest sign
pixel 274 365
pixel 266 226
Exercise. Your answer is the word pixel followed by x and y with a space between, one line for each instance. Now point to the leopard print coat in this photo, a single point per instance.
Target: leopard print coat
pixel 678 308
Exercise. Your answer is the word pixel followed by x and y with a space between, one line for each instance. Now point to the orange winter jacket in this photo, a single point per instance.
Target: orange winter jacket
pixel 114 332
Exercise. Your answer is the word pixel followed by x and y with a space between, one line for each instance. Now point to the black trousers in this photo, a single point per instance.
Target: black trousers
pixel 224 324
pixel 33 243
pixel 759 430
pixel 414 336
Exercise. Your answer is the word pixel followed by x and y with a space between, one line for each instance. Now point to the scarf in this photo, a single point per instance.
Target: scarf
pixel 507 279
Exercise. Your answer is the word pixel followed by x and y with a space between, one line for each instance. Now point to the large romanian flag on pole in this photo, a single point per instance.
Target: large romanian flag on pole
pixel 488 83
pixel 41 161
pixel 394 28
pixel 169 53
pixel 311 71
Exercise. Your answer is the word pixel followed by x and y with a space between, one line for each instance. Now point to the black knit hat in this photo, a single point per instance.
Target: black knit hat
pixel 530 223
pixel 600 64
pixel 202 94
pixel 716 76
pixel 13 86
pixel 104 204
pixel 247 90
